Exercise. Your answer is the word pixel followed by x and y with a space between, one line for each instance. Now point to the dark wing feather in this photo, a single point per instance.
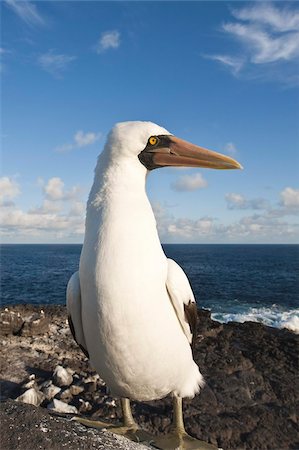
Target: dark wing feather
pixel 71 325
pixel 73 303
pixel 190 310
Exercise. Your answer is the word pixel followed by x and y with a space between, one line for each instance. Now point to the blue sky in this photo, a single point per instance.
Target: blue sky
pixel 223 75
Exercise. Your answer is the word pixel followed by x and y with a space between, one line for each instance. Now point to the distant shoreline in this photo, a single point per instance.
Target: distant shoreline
pixel 288 321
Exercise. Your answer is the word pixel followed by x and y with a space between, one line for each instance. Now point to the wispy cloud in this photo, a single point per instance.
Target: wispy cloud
pixel 108 40
pixel 83 139
pixel 268 34
pixel 54 63
pixel 234 63
pixel 281 20
pixel 189 182
pixel 263 46
pixel 4 51
pixel 231 148
pixel 80 139
pixel 27 11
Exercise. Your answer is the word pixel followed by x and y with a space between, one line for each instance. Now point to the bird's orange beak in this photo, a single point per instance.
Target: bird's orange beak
pixel 181 153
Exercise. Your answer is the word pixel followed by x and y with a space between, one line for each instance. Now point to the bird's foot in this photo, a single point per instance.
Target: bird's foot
pixel 130 431
pixel 180 440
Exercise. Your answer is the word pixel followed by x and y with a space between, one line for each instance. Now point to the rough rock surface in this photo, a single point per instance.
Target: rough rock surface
pixel 32 396
pixel 25 427
pixel 249 401
pixel 62 376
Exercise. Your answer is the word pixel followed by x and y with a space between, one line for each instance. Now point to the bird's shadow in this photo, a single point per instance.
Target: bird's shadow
pixel 8 389
pixel 43 374
pixel 11 389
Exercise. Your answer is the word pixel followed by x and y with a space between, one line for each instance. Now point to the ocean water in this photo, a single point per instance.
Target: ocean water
pixel 236 282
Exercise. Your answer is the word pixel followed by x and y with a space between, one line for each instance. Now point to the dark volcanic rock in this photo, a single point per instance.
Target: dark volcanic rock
pixel 251 373
pixel 35 324
pixel 25 427
pixel 28 324
pixel 10 322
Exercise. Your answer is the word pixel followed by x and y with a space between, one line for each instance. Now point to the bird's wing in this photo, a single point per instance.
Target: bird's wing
pixel 73 304
pixel 182 299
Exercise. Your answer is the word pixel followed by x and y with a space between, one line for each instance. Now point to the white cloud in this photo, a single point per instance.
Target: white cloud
pixel 60 216
pixel 64 148
pixel 263 226
pixel 77 209
pixel 84 139
pixel 20 221
pixel 268 35
pixel 54 190
pixel 256 228
pixel 263 46
pixel 80 139
pixel 290 197
pixel 108 39
pixel 189 182
pixel 47 207
pixel 56 197
pixel 281 20
pixel 9 189
pixel 190 229
pixel 27 11
pixel 235 200
pixel 231 148
pixel 268 225
pixel 238 201
pixel 54 63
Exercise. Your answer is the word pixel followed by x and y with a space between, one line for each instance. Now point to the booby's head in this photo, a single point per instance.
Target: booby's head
pixel 154 147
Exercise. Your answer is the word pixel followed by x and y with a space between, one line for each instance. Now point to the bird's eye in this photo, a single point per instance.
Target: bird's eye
pixel 153 140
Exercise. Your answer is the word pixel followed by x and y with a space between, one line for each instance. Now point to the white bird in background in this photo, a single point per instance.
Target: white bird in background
pixel 131 309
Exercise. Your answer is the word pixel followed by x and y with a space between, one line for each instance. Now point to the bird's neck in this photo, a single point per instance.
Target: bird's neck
pixel 118 205
pixel 121 230
pixel 123 180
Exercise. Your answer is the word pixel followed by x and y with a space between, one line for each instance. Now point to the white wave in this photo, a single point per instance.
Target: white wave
pixel 273 317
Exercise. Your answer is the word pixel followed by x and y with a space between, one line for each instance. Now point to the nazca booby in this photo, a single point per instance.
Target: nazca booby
pixel 131 309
